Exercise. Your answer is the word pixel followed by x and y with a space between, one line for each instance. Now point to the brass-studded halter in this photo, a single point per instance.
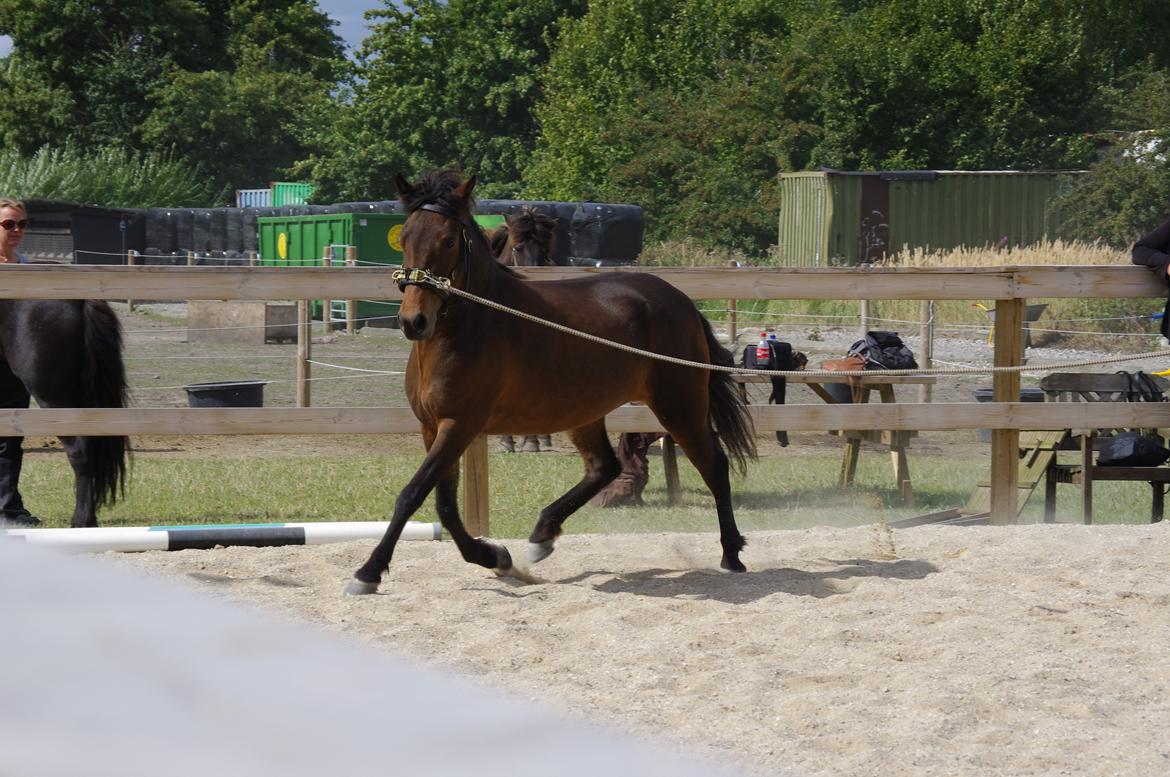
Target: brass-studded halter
pixel 418 276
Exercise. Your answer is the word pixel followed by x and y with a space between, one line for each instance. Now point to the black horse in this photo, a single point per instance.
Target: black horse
pixel 67 353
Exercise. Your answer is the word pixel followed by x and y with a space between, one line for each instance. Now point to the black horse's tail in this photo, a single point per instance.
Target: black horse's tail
pixel 727 410
pixel 103 384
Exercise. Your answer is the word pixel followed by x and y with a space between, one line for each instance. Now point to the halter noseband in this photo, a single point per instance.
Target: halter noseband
pixel 417 276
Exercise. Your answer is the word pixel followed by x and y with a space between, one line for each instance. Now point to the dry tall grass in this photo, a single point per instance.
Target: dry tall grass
pixel 1054 253
pixel 1123 325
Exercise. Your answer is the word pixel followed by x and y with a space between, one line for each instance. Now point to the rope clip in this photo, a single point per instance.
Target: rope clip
pixel 416 276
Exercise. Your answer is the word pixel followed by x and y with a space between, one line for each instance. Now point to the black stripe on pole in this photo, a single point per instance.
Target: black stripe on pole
pixel 258 537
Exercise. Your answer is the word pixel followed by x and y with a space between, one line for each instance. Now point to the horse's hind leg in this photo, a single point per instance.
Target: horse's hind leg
pixel 85 505
pixel 601 467
pixel 698 441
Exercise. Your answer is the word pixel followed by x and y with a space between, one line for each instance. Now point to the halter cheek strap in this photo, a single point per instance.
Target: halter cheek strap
pixel 417 276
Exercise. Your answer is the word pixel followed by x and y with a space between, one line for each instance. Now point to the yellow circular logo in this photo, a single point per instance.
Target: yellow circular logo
pixel 282 245
pixel 394 237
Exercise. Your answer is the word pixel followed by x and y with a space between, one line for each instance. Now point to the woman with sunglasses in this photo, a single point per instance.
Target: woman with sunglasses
pixel 13 222
pixel 13 394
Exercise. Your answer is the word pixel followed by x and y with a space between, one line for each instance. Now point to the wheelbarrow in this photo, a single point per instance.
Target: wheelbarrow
pixel 1031 315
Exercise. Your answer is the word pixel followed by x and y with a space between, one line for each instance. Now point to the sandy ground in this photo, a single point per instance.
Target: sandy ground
pixel 1031 650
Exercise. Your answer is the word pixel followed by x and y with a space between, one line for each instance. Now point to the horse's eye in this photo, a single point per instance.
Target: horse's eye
pixel 450 242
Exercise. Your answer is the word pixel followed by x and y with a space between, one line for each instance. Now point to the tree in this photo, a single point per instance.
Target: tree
pixel 441 84
pixel 216 81
pixel 609 61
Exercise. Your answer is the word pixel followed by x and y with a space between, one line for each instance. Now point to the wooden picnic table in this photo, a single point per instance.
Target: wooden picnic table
pixel 862 386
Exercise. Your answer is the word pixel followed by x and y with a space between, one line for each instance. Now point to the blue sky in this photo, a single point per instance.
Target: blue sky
pixel 347 13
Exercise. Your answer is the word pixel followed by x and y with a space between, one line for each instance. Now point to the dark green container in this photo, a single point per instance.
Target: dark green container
pixel 833 218
pixel 300 241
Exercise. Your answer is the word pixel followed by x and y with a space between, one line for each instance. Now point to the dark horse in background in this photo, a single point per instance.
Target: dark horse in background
pixel 68 353
pixel 528 238
pixel 475 370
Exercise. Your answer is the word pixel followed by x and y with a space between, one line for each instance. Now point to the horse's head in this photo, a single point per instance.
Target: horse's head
pixel 528 240
pixel 440 243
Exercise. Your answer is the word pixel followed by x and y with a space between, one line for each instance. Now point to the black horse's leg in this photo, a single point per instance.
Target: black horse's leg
pixel 476 550
pixel 601 467
pixel 84 506
pixel 442 455
pixel 698 441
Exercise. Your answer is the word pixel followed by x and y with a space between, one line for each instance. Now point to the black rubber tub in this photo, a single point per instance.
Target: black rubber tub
pixel 227 393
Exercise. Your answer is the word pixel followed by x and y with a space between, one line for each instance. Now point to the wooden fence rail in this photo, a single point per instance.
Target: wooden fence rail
pixel 1008 286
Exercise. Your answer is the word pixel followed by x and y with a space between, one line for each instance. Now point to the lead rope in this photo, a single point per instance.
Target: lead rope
pixel 781 373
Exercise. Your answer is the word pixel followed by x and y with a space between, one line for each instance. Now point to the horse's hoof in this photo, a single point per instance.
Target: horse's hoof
pixel 732 567
pixel 539 551
pixel 503 558
pixel 357 587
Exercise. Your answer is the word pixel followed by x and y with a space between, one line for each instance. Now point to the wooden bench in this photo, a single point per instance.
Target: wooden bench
pixel 1095 387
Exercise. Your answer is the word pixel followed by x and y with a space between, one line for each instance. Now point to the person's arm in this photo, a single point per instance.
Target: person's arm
pixel 1151 250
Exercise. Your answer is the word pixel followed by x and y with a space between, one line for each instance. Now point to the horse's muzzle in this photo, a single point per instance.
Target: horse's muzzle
pixel 416 327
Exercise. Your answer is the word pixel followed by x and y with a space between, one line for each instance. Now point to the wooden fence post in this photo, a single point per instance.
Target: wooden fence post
pixel 326 304
pixel 131 260
pixel 1005 443
pixel 926 355
pixel 863 315
pixel 350 305
pixel 732 334
pixel 475 488
pixel 190 258
pixel 252 259
pixel 304 351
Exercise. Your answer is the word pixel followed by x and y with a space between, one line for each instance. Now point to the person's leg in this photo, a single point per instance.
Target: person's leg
pixel 12 510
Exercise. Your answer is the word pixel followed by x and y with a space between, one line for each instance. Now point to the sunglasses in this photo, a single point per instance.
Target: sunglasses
pixel 10 224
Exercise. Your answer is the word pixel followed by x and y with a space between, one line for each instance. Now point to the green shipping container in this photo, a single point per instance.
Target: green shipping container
pixel 832 218
pixel 300 241
pixel 289 193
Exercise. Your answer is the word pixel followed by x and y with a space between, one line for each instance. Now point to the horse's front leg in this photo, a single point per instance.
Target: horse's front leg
pixel 474 549
pixel 443 452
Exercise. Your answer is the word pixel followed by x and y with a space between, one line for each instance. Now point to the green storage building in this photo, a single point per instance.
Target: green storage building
pixel 300 241
pixel 832 218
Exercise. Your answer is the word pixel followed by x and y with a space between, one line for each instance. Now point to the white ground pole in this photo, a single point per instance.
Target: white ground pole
pixel 139 538
pixel 109 673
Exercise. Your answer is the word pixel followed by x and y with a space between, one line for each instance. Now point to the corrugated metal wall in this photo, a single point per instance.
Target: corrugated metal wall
pixel 975 209
pixel 822 224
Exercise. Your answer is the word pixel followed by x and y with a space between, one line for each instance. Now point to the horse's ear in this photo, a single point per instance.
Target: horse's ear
pixel 403 186
pixel 464 189
pixel 497 239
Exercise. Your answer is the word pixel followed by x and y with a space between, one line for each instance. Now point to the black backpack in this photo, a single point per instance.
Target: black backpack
pixel 884 351
pixel 780 357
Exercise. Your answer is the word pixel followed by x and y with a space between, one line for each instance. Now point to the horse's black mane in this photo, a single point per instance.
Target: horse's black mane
pixel 533 225
pixel 437 187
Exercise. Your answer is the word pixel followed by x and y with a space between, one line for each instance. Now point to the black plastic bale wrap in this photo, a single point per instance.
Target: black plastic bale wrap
pixel 184 230
pixel 217 234
pixel 161 226
pixel 606 234
pixel 234 236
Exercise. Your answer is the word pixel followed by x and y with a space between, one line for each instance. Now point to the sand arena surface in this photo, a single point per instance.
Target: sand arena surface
pixel 1030 650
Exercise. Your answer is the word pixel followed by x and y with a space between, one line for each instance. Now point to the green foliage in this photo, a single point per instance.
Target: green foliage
pixel 1124 195
pixel 110 177
pixel 440 84
pixel 692 111
pixel 171 75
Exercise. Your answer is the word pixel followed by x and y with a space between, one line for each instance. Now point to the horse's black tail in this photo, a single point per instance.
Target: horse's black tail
pixel 103 384
pixel 727 409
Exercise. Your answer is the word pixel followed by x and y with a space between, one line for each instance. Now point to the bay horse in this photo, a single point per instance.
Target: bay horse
pixel 68 353
pixel 474 370
pixel 528 238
